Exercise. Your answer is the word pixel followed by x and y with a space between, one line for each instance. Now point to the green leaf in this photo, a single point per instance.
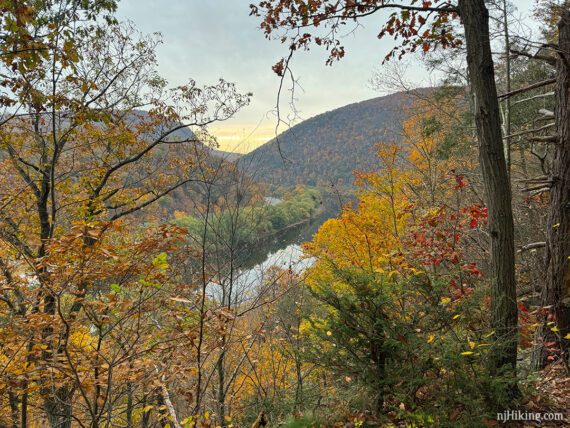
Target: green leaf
pixel 160 261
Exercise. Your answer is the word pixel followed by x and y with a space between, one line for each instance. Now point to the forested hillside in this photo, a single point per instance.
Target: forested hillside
pixel 146 281
pixel 325 149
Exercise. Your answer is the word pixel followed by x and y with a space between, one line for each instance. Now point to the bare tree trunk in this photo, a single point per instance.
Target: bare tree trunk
pixel 169 406
pixel 13 399
pixel 130 405
pixel 507 111
pixel 475 18
pixel 555 296
pixel 145 420
pixel 222 387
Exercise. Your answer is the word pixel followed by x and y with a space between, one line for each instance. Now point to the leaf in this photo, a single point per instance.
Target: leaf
pixel 148 408
pixel 431 338
pixel 467 353
pixel 567 336
pixel 150 284
pixel 160 261
pixel 445 300
pixel 555 329
pixel 228 314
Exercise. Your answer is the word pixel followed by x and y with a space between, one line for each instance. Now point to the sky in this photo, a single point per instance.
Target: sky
pixel 209 39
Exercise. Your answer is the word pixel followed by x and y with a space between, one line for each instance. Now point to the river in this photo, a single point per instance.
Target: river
pixel 282 250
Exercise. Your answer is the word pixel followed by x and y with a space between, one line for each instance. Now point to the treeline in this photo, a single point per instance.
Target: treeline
pixel 259 221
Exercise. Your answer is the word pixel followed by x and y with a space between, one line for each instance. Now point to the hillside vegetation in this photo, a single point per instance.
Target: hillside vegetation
pixel 325 149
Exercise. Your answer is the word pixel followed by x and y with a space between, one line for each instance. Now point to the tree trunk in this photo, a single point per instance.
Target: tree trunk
pixel 130 405
pixel 13 400
pixel 503 355
pixel 222 386
pixel 555 295
pixel 507 105
pixel 58 408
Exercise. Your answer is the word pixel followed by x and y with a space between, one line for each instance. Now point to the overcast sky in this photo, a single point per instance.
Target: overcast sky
pixel 208 39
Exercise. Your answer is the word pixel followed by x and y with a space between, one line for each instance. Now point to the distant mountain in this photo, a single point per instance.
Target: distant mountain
pixel 327 148
pixel 229 156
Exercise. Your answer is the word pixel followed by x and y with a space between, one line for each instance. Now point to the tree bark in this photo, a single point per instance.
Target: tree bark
pixel 555 296
pixel 507 110
pixel 13 400
pixel 503 355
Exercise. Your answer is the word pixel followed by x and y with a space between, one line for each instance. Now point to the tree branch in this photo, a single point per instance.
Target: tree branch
pixel 528 88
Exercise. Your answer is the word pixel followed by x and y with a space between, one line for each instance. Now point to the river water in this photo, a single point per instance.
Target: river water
pixel 283 251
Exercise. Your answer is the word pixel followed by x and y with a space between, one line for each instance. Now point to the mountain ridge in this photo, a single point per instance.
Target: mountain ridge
pixel 325 149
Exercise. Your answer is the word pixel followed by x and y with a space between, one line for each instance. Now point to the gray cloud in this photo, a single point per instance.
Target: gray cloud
pixel 208 39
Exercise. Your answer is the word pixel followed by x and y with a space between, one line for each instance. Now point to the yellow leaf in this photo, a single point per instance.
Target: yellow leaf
pixel 554 329
pixel 329 333
pixel 160 261
pixel 445 300
pixel 207 415
pixel 431 338
pixel 467 353
pixel 471 344
pixel 556 225
pixel 456 316
pixel 147 409
pixel 567 336
pixel 228 418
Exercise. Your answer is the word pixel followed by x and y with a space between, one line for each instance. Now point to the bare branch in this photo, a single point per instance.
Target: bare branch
pixel 528 88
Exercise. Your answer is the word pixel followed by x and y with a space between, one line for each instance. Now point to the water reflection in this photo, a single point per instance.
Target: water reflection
pixel 282 250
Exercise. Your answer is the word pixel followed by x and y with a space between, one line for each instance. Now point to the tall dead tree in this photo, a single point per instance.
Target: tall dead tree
pixel 555 297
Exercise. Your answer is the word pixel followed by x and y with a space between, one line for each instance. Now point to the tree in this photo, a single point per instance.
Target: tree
pixel 556 291
pixel 397 288
pixel 426 25
pixel 79 148
pixel 30 30
pixel 543 66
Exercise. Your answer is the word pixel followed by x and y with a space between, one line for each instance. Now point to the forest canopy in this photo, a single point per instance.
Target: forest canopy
pixel 402 261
